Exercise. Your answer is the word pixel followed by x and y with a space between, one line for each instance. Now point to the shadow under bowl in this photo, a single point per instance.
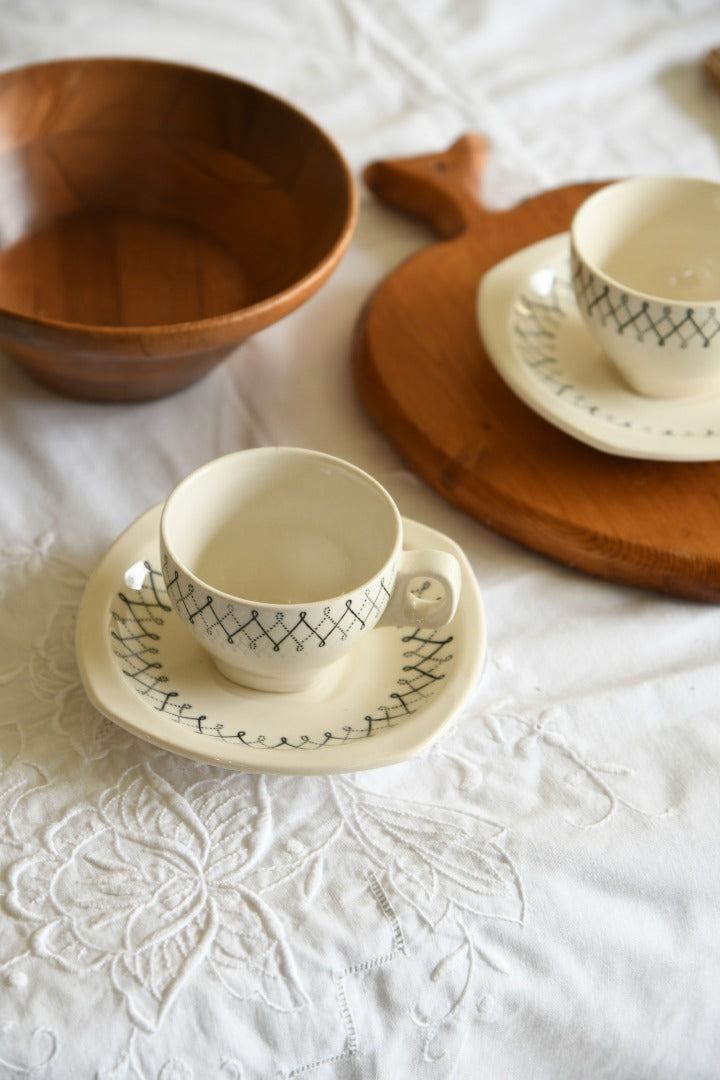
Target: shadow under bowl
pixel 152 216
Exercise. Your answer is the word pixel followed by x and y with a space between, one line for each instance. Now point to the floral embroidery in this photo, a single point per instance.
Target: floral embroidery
pixel 588 791
pixel 149 884
pixel 166 873
pixel 450 869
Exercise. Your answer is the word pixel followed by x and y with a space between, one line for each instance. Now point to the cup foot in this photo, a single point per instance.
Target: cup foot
pixel 659 390
pixel 283 683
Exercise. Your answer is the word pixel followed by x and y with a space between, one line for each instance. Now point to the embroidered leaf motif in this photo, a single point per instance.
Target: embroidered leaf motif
pixel 256 962
pixel 15 783
pixel 144 806
pixel 150 977
pixel 235 812
pixel 58 940
pixel 437 856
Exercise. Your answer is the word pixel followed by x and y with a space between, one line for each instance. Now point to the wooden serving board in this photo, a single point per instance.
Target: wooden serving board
pixel 424 377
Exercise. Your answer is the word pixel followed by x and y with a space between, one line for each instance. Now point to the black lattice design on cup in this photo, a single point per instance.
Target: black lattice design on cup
pixel 248 627
pixel 649 320
pixel 136 630
pixel 538 319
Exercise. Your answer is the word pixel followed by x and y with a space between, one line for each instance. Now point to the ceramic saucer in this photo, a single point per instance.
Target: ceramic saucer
pixel 536 339
pixel 386 702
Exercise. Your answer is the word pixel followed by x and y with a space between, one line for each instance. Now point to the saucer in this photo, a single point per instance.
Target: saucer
pixel 536 338
pixel 386 702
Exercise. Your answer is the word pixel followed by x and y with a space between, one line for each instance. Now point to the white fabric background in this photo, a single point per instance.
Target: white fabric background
pixel 538 895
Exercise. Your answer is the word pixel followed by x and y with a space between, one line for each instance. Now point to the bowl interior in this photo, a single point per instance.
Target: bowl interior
pixel 136 193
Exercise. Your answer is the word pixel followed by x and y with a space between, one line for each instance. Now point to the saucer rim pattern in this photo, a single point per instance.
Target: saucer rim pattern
pixel 541 382
pixel 135 632
pixel 111 694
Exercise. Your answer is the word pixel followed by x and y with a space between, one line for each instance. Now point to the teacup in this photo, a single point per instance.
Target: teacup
pixel 280 560
pixel 646 275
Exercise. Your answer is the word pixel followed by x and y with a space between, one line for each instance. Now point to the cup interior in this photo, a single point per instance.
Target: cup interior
pixel 656 236
pixel 280 526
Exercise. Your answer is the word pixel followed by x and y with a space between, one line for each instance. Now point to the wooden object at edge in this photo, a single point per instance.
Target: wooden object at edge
pixel 423 375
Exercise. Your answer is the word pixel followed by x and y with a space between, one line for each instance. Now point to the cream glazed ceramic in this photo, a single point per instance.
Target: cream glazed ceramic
pixel 384 702
pixel 646 274
pixel 540 345
pixel 279 560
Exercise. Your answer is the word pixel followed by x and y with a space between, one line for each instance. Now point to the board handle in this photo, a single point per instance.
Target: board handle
pixel 443 189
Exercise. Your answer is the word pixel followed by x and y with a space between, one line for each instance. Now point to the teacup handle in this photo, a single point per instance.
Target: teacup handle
pixel 406 607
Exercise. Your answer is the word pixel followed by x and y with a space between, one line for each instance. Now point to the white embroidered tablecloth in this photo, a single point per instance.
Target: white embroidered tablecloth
pixel 538 894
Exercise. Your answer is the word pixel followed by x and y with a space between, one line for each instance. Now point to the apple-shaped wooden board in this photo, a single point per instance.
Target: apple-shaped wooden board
pixel 423 375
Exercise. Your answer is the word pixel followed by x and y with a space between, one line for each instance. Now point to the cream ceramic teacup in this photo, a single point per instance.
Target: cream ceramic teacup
pixel 279 560
pixel 646 275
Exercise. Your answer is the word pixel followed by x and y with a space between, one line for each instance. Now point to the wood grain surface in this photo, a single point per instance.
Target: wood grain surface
pixel 152 216
pixel 423 375
pixel 711 64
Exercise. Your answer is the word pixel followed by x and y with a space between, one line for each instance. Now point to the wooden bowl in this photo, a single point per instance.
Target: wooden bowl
pixel 152 216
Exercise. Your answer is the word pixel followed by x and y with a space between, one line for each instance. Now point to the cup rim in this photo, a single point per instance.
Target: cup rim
pixel 272 451
pixel 604 194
